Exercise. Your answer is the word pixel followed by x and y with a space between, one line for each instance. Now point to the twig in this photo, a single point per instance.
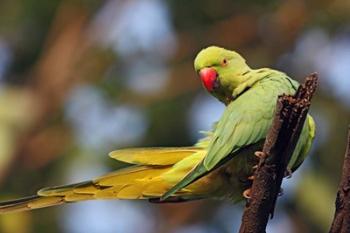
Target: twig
pixel 341 222
pixel 279 145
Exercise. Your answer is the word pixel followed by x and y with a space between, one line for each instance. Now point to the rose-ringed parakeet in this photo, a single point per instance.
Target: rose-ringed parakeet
pixel 218 166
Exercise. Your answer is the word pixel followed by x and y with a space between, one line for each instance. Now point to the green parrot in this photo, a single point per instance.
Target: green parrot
pixel 217 166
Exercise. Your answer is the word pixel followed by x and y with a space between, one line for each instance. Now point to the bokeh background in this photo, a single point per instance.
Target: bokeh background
pixel 81 78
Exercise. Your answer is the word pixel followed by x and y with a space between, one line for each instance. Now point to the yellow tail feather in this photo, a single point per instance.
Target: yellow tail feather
pixel 154 155
pixel 146 180
pixel 29 203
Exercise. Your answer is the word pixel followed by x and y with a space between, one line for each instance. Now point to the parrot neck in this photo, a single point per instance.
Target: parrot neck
pixel 249 78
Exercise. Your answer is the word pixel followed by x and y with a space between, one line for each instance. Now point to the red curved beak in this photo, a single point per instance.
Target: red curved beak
pixel 208 77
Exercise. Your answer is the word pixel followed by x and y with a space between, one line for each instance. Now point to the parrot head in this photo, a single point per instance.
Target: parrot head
pixel 220 71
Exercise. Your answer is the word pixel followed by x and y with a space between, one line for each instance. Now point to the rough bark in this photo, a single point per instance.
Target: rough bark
pixel 291 112
pixel 341 222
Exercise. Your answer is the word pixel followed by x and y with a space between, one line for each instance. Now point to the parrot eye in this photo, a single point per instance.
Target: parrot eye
pixel 224 62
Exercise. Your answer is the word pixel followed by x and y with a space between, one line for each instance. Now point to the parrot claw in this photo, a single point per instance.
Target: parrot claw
pixel 254 169
pixel 288 173
pixel 247 193
pixel 251 177
pixel 260 154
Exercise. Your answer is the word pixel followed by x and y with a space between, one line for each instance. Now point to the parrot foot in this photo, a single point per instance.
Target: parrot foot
pixel 288 173
pixel 251 177
pixel 260 154
pixel 247 193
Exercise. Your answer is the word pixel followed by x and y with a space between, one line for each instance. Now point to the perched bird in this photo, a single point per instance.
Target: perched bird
pixel 217 166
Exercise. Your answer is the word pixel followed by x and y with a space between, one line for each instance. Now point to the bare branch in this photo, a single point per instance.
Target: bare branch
pixel 341 222
pixel 279 145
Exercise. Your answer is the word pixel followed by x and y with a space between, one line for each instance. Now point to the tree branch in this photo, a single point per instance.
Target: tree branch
pixel 341 222
pixel 291 112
